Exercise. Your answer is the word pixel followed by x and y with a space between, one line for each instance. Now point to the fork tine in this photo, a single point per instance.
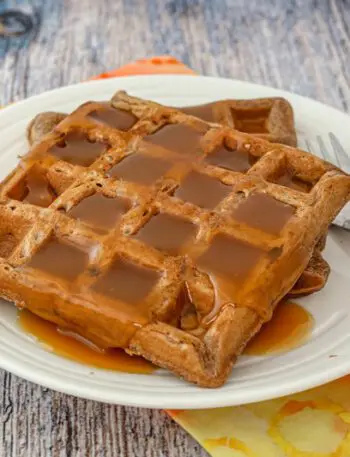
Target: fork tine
pixel 324 152
pixel 309 147
pixel 342 157
pixel 306 145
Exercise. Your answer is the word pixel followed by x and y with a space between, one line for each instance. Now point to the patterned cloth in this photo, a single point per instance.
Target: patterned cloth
pixel 315 423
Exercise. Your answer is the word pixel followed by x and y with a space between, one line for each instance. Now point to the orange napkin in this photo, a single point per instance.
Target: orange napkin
pixel 315 423
pixel 153 65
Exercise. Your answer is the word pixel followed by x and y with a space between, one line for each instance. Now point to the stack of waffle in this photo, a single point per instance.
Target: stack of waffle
pixel 165 231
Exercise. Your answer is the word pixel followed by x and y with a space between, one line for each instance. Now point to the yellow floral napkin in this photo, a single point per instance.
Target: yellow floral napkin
pixel 315 423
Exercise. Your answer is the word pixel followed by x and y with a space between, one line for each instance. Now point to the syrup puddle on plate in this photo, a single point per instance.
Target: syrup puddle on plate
pixel 289 328
pixel 70 347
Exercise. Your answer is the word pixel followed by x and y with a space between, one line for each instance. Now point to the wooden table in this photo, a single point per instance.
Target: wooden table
pixel 299 45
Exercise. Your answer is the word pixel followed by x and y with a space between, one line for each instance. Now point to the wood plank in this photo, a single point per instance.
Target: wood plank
pixel 301 46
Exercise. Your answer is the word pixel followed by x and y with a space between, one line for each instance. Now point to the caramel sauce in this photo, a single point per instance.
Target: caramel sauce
pixel 179 138
pixel 59 259
pixel 167 233
pixel 204 112
pixel 202 190
pixel 114 117
pixel 229 258
pixel 139 168
pixel 272 219
pixel 128 283
pixel 70 347
pixel 34 188
pixel 100 211
pixel 77 149
pixel 289 328
pixel 230 159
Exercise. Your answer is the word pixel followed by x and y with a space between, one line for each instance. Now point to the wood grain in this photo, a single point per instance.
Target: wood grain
pixel 298 45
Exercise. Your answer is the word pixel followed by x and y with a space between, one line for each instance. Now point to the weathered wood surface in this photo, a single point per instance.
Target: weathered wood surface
pixel 298 45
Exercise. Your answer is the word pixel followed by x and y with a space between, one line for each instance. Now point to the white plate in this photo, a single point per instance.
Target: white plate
pixel 325 356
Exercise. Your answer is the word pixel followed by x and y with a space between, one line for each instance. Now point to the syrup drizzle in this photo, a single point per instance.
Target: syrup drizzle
pixel 289 328
pixel 73 347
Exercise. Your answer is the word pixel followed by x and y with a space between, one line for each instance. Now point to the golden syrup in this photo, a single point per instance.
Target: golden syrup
pixel 72 347
pixel 289 327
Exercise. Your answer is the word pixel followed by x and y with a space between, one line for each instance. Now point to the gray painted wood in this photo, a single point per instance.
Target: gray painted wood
pixel 298 45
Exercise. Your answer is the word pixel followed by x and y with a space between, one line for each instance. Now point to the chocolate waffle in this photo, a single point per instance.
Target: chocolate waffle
pixel 269 118
pixel 43 124
pixel 175 263
pixel 313 278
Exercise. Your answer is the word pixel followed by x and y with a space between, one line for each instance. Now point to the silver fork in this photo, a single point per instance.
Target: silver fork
pixel 340 158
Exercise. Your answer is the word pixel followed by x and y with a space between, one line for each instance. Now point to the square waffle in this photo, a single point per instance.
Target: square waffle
pixel 176 265
pixel 271 119
pixel 314 277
